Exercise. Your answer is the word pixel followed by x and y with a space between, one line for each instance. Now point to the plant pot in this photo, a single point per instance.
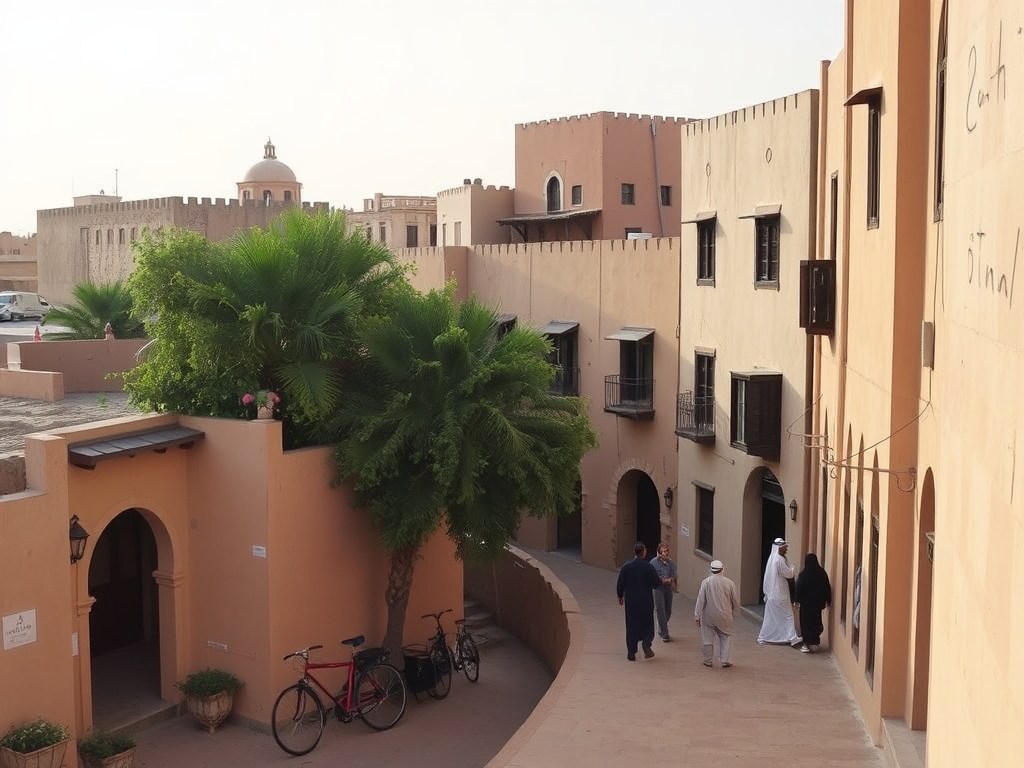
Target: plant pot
pixel 264 412
pixel 47 757
pixel 120 760
pixel 212 710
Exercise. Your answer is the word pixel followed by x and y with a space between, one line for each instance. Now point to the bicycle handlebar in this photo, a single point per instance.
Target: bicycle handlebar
pixel 437 615
pixel 304 653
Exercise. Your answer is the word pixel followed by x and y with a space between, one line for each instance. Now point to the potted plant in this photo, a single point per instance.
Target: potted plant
pixel 264 400
pixel 209 695
pixel 102 749
pixel 39 744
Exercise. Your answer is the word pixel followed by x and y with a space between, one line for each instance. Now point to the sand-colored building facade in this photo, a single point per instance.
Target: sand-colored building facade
pixel 469 214
pixel 749 180
pixel 18 261
pixel 398 221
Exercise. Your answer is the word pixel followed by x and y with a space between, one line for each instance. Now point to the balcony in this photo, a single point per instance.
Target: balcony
pixel 632 398
pixel 566 381
pixel 695 417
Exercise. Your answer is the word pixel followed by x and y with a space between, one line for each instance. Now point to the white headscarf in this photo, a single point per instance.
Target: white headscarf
pixel 770 569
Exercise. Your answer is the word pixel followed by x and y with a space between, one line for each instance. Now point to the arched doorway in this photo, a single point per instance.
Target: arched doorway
pixel 569 525
pixel 554 194
pixel 124 628
pixel 639 512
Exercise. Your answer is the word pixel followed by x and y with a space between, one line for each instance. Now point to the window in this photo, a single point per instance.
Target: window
pixel 564 356
pixel 505 323
pixel 869 628
pixel 706 251
pixel 818 295
pixel 110 237
pixel 695 418
pixel 369 232
pixel 940 115
pixel 247 195
pixel 133 235
pixel 554 194
pixel 458 233
pixel 630 393
pixel 444 234
pixel 666 194
pixel 287 195
pixel 16 251
pixel 631 231
pixel 577 194
pixel 383 233
pixel 767 261
pixel 120 236
pixel 97 237
pixel 858 573
pixel 267 196
pixel 846 552
pixel 628 194
pixel 412 236
pixel 874 159
pixel 833 221
pixel 756 424
pixel 433 234
pixel 705 519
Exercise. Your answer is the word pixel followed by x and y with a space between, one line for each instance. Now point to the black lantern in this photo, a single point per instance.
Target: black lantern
pixel 668 497
pixel 792 510
pixel 77 535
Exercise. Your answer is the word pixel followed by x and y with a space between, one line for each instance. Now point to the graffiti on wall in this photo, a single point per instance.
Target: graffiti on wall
pixel 986 87
pixel 993 275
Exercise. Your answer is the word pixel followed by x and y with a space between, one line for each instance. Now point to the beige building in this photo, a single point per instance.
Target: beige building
pixel 93 239
pixel 468 215
pixel 601 176
pixel 18 261
pixel 748 181
pixel 398 221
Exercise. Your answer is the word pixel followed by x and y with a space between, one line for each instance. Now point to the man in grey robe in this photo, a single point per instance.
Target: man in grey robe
pixel 779 625
pixel 717 603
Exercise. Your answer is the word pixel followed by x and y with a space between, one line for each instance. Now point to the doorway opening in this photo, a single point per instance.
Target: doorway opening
pixel 569 525
pixel 773 518
pixel 639 515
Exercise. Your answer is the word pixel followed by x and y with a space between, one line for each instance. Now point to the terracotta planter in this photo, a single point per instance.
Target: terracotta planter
pixel 120 760
pixel 265 412
pixel 47 757
pixel 211 711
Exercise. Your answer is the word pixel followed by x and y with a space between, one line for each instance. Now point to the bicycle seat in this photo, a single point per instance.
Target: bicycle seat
pixel 355 642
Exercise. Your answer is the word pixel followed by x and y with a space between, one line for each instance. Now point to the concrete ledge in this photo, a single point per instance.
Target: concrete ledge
pixel 31 385
pixel 902 747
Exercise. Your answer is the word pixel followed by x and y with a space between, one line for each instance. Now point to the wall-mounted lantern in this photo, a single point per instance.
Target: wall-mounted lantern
pixel 668 497
pixel 77 535
pixel 792 510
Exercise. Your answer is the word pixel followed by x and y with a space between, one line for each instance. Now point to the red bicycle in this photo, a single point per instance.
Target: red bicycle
pixel 373 691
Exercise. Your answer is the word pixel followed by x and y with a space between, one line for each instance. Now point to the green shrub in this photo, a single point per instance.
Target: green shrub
pixel 208 682
pixel 29 737
pixel 101 744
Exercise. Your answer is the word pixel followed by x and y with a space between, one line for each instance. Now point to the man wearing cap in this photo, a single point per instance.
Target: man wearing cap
pixel 778 625
pixel 717 603
pixel 635 588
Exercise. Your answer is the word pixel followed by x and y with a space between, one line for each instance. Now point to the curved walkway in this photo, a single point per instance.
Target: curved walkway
pixel 775 706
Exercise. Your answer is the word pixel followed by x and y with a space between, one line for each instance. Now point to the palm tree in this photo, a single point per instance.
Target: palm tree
pixel 447 422
pixel 95 305
pixel 273 309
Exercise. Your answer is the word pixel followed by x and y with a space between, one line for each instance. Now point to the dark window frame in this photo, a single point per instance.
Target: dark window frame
pixel 433 234
pixel 874 159
pixel 412 235
pixel 383 230
pixel 707 232
pixel 941 59
pixel 628 193
pixel 577 194
pixel 553 194
pixel 767 248
pixel 818 296
pixel 705 518
pixel 833 225
pixel 755 426
pixel 665 194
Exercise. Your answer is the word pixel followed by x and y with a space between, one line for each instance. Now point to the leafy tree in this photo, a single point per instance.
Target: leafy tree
pixel 448 423
pixel 95 305
pixel 273 309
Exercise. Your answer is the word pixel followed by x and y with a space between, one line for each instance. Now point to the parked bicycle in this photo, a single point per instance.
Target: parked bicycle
pixel 374 691
pixel 463 655
pixel 440 656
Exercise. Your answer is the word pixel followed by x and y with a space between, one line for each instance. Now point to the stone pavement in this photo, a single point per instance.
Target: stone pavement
pixel 774 707
pixel 20 417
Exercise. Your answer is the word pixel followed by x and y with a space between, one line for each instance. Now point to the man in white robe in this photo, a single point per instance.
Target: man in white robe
pixel 778 626
pixel 717 603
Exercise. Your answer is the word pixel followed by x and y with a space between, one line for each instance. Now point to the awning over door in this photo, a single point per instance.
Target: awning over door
pixel 558 327
pixel 88 455
pixel 630 333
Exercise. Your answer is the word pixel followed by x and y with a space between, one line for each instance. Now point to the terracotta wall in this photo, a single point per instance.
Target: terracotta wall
pixel 84 364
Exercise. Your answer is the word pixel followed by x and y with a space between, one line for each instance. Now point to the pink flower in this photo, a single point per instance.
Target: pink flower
pixel 248 399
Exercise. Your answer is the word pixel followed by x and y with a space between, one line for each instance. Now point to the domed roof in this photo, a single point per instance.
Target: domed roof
pixel 269 168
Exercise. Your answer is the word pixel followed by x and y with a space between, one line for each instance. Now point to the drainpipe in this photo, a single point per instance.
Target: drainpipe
pixel 657 177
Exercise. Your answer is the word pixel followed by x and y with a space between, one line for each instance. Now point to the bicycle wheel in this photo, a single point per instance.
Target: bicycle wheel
pixel 441 663
pixel 470 658
pixel 297 719
pixel 381 694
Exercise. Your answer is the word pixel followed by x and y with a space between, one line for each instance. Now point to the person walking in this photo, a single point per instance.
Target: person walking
pixel 778 626
pixel 717 603
pixel 635 588
pixel 666 569
pixel 813 594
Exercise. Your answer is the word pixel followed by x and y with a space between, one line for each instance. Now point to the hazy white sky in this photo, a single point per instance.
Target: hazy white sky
pixel 390 96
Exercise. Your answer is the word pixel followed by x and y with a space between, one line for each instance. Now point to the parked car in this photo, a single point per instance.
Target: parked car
pixel 18 305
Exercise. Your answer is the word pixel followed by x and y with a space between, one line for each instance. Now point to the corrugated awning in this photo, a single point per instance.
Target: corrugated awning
pixel 702 216
pixel 630 333
pixel 88 455
pixel 558 327
pixel 763 210
pixel 553 216
pixel 505 318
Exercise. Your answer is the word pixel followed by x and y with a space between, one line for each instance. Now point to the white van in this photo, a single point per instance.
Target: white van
pixel 17 305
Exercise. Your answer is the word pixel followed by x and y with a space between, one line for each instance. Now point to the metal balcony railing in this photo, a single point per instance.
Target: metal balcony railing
pixel 629 397
pixel 695 417
pixel 566 381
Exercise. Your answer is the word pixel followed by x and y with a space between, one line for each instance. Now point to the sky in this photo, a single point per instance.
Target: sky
pixel 400 97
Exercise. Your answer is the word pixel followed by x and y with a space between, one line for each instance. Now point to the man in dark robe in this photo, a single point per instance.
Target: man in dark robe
pixel 635 588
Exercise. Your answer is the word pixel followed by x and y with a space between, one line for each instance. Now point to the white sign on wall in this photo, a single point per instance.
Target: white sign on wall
pixel 19 629
pixel 684 531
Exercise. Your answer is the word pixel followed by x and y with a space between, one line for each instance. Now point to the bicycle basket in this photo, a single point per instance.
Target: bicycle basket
pixel 370 656
pixel 419 672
